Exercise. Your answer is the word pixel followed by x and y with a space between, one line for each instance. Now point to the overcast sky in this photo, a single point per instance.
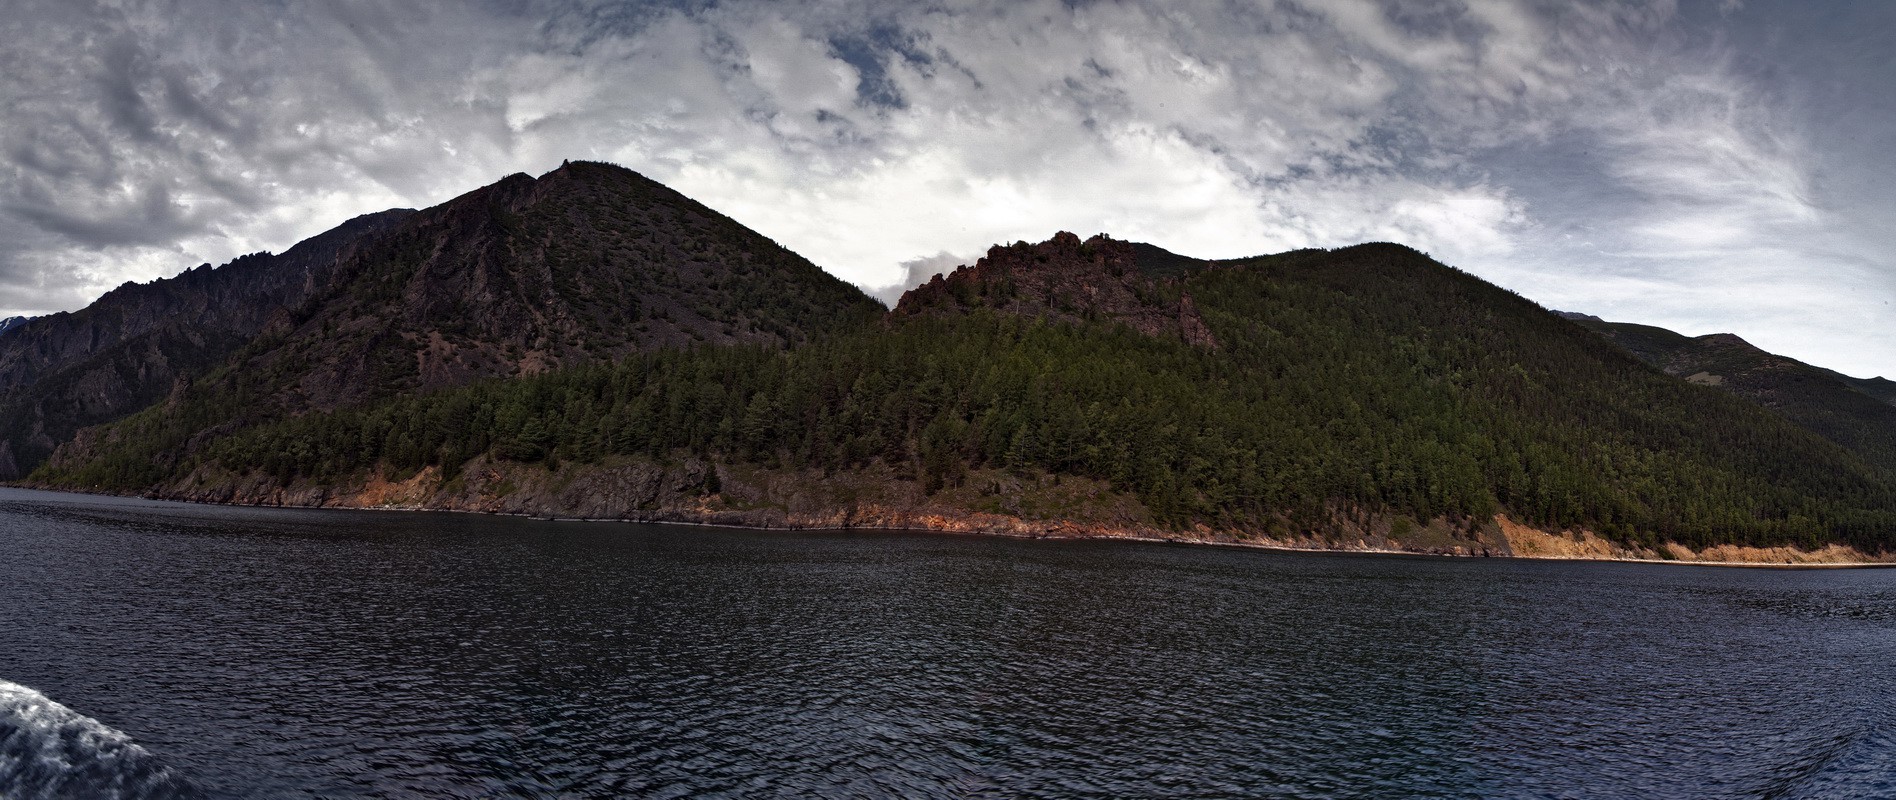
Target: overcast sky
pixel 1708 167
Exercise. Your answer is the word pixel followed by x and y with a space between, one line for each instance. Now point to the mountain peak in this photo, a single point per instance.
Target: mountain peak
pixel 587 262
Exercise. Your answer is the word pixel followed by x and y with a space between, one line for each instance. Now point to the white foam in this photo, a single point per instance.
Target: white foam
pixel 48 750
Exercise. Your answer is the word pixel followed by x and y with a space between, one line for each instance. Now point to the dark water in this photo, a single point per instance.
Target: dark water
pixel 298 653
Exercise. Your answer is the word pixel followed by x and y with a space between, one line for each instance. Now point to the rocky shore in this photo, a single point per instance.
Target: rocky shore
pixel 695 491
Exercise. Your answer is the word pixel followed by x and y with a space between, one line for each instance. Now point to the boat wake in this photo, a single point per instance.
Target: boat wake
pixel 48 750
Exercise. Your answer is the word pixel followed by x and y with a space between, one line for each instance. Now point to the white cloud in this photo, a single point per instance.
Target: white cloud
pixel 868 136
pixel 917 271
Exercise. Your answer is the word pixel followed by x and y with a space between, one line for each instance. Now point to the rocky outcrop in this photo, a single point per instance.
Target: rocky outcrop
pixel 1584 545
pixel 1065 278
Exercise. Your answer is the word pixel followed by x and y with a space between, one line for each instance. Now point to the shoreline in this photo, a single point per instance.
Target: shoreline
pixel 1098 537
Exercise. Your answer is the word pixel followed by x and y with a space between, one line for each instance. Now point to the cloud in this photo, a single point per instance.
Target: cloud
pixel 917 271
pixel 1707 215
pixel 1597 155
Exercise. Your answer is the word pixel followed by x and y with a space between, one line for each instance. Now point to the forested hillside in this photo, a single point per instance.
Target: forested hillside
pixel 1367 383
pixel 1859 414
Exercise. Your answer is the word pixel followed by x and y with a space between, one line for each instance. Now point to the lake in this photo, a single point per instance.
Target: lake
pixel 199 651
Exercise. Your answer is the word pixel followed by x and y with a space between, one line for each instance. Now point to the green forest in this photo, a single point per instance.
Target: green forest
pixel 1368 377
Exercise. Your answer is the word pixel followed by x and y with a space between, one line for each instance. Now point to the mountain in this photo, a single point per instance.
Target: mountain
pixel 587 263
pixel 1360 397
pixel 1859 414
pixel 12 322
pixel 128 349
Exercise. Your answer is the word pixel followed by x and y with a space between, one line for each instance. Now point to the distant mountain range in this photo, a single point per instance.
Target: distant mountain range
pixel 590 343
pixel 12 322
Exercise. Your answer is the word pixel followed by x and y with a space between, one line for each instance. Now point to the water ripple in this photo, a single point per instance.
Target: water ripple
pixel 337 654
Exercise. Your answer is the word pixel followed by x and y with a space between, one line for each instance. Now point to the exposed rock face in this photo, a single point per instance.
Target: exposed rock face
pixel 1065 278
pixel 236 299
pixel 64 371
pixel 12 322
pixel 698 491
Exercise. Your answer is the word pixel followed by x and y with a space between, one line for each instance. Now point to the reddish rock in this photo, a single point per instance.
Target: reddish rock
pixel 1065 278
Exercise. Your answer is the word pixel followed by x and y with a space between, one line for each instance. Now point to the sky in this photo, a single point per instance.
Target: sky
pixel 1716 166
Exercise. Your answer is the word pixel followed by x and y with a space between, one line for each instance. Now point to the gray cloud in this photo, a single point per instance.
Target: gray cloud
pixel 1691 165
pixel 917 271
pixel 149 216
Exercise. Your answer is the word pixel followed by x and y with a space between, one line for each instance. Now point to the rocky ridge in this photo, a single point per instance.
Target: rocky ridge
pixel 1065 278
pixel 137 343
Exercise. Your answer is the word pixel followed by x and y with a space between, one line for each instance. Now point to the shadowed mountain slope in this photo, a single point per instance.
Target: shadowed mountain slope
pixel 128 349
pixel 1881 388
pixel 589 262
pixel 1854 412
